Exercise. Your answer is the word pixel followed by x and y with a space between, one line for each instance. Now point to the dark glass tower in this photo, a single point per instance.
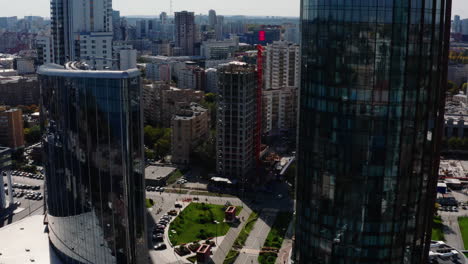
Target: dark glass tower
pixel 371 105
pixel 93 157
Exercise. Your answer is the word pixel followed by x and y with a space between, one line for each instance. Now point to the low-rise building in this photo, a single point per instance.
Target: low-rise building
pixel 161 102
pixel 190 126
pixel 456 118
pixel 191 76
pixel 17 90
pixel 156 175
pixel 11 128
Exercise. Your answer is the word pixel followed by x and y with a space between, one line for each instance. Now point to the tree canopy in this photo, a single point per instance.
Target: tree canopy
pixel 158 141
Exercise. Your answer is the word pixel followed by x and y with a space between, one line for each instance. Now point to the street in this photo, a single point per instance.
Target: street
pixel 27 207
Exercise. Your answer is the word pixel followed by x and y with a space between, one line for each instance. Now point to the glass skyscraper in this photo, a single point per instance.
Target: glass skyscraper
pixel 92 130
pixel 371 104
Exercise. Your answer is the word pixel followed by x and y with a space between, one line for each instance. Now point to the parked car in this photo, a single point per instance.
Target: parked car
pixel 158 238
pixel 160 246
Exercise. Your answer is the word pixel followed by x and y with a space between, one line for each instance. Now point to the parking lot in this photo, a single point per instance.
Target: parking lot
pixel 28 194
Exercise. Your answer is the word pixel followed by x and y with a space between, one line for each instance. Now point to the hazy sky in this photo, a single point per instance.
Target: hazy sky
pixel 154 7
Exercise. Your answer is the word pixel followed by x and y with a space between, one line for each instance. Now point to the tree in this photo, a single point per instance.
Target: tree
pixel 158 139
pixel 452 87
pixel 205 153
pixel 32 135
pixel 464 86
pixel 209 102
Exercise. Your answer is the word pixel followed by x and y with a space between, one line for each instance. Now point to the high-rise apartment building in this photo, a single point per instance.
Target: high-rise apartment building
pixel 11 128
pixel 456 26
pixel 236 120
pixel 212 18
pixel 282 65
pixel 185 32
pixel 82 30
pixel 92 125
pixel 45 51
pixel 279 110
pixel 281 77
pixel 219 27
pixel 163 18
pixel 370 124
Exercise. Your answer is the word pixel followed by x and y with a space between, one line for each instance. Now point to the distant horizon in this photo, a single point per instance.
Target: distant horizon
pixel 258 8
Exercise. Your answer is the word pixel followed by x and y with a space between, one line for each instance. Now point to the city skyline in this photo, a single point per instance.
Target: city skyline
pixel 241 7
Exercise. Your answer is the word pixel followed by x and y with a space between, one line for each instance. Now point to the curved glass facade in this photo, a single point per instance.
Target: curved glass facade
pixel 94 162
pixel 371 105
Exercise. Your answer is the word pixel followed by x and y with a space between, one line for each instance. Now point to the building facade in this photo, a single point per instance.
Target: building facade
pixel 45 51
pixel 92 125
pixel 190 126
pixel 370 123
pixel 162 101
pixel 212 18
pixel 185 33
pixel 236 120
pixel 18 90
pixel 11 128
pixel 279 110
pixel 82 30
pixel 282 65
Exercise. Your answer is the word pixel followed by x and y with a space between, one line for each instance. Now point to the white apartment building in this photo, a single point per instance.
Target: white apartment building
pixel 282 68
pixel 82 30
pixel 45 52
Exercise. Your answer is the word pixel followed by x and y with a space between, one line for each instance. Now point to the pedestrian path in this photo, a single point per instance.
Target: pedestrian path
pixel 257 237
pixel 231 236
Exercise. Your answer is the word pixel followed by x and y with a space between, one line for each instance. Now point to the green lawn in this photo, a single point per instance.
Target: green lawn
pixel 176 191
pixel 463 223
pixel 174 177
pixel 231 257
pixel 211 194
pixel 437 225
pixel 278 230
pixel 195 223
pixel 267 258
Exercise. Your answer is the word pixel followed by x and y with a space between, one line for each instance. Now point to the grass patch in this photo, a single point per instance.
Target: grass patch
pixel 177 174
pixel 267 258
pixel 231 257
pixel 244 233
pixel 149 203
pixel 437 225
pixel 196 222
pixel 176 191
pixel 463 223
pixel 211 194
pixel 278 230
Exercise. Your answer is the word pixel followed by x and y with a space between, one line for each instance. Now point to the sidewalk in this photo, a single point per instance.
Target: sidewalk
pixel 257 237
pixel 452 231
pixel 286 247
pixel 231 236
